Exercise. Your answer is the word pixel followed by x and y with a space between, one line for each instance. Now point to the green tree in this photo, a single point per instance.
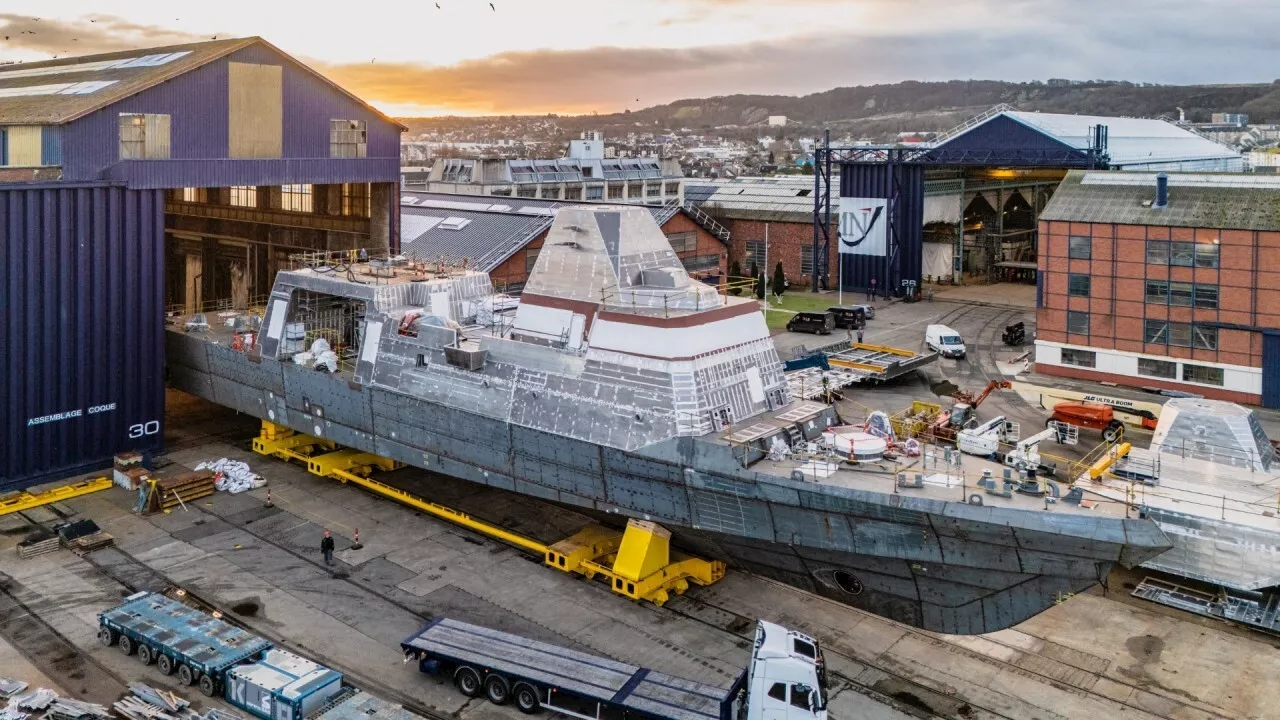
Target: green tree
pixel 735 274
pixel 807 168
pixel 779 280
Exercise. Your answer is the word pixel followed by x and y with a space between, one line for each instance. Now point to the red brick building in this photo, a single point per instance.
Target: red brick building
pixel 766 216
pixel 503 236
pixel 1183 297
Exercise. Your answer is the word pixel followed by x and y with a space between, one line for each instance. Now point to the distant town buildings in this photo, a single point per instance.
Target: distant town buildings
pixel 586 173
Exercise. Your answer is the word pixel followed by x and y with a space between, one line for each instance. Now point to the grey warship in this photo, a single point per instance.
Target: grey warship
pixel 623 388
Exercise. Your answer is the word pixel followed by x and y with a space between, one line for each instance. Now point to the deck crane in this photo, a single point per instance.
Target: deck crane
pixel 984 440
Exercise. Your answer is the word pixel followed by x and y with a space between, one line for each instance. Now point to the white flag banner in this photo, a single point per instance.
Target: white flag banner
pixel 864 226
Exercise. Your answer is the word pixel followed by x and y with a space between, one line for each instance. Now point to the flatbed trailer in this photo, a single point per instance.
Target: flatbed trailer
pixel 178 638
pixel 537 675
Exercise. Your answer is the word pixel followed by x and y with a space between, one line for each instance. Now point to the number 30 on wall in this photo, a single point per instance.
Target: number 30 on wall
pixel 144 429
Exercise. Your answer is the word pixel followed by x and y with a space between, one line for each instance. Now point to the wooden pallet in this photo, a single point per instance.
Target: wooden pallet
pixel 28 550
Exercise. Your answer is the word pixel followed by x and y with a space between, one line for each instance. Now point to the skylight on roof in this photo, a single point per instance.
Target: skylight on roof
pixel 454 223
pixel 134 62
pixel 80 88
pixel 408 200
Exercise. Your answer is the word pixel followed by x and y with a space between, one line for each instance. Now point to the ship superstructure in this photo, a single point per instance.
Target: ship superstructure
pixel 622 387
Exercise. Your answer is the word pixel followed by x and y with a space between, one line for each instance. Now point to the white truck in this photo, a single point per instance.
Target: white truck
pixel 785 680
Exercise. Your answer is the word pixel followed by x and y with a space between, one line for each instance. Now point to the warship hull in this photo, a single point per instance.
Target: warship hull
pixel 949 566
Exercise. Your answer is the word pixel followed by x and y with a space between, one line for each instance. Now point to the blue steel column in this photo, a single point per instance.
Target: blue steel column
pixel 817 208
pixel 826 235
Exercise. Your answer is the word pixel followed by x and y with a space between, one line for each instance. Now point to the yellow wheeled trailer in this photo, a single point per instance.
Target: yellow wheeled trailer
pixel 638 562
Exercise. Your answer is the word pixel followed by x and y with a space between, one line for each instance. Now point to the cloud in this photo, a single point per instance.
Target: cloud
pixel 83 36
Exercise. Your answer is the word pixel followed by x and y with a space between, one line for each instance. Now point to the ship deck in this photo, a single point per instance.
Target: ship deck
pixel 940 479
pixel 1196 487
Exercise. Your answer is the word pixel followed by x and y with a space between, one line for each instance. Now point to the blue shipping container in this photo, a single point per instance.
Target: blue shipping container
pixel 81 327
pixel 282 686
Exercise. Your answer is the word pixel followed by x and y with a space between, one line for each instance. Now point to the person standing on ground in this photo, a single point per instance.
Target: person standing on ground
pixel 871 290
pixel 859 336
pixel 326 548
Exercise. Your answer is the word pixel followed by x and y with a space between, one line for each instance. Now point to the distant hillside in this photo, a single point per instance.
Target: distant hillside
pixel 877 109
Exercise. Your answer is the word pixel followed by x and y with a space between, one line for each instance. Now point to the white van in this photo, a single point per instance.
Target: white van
pixel 943 340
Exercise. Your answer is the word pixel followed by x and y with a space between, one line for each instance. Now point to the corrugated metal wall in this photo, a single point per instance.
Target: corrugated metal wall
pixel 905 184
pixel 81 328
pixel 1270 369
pixel 198 102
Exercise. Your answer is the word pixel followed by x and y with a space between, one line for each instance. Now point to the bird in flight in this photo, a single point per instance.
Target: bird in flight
pixel 491 7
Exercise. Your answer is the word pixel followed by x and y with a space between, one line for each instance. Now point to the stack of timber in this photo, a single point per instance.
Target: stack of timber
pixel 175 491
pixel 38 544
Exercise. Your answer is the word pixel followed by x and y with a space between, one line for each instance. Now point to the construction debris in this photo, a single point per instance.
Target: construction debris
pixel 67 709
pixel 37 699
pixel 10 686
pixel 162 699
pixel 233 476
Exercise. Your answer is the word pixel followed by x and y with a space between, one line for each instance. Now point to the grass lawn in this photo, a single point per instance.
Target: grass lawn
pixel 793 302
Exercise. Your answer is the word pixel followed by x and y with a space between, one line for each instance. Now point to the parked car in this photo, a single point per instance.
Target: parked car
pixel 819 323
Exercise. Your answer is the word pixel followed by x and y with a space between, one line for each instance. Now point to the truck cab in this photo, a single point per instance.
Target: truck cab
pixel 787 677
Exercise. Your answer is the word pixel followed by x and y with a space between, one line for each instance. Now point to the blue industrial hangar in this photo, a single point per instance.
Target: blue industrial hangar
pixel 177 178
pixel 998 155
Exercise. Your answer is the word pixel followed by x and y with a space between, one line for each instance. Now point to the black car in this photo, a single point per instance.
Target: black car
pixel 851 317
pixel 820 323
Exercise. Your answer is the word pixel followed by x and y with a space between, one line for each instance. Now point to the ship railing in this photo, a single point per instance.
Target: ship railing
pixel 255 304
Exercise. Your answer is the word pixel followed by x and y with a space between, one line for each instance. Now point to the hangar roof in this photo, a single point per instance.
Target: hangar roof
pixel 62 90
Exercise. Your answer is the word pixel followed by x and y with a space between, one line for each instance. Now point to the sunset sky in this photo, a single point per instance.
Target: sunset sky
pixel 582 56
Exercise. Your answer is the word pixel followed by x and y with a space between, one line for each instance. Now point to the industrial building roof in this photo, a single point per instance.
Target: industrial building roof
pixel 1202 200
pixel 1131 142
pixel 486 229
pixel 62 90
pixel 783 198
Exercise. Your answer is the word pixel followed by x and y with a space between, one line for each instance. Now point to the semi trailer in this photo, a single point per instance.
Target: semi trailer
pixel 785 679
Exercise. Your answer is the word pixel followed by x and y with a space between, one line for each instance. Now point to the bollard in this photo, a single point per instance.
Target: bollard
pixel 355 544
pixel 269 503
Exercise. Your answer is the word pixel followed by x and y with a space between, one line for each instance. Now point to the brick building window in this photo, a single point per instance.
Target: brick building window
pixel 683 241
pixel 595 192
pixel 806 260
pixel 1078 285
pixel 673 188
pixel 755 254
pixel 295 198
pixel 1206 296
pixel 530 259
pixel 701 263
pixel 1162 332
pixel 1079 358
pixel 244 196
pixel 1158 292
pixel 635 189
pixel 573 193
pixel 1182 254
pixel 1180 294
pixel 1202 374
pixel 1080 247
pixel 195 195
pixel 1078 322
pixel 615 191
pixel 654 190
pixel 1158 368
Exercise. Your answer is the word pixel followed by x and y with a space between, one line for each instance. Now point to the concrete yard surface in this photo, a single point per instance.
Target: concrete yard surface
pixel 1090 657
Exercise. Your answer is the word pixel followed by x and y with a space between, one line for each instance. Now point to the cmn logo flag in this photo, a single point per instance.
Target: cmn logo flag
pixel 864 226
